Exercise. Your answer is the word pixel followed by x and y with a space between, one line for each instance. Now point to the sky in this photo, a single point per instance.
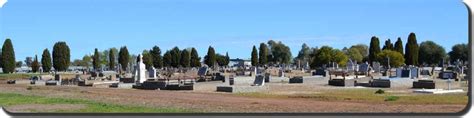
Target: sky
pixel 232 26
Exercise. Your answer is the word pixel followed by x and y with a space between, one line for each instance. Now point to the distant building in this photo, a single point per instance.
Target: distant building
pixel 239 63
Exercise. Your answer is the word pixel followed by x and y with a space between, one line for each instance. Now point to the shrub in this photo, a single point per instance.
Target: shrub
pixel 380 91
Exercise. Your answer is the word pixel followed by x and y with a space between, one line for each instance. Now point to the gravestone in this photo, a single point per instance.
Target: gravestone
pixel 350 65
pixel 140 70
pixel 376 66
pixel 426 84
pixel 281 73
pixel 202 71
pixel 425 72
pixel 231 80
pixel 399 72
pixel 414 73
pixel 297 79
pixel 319 72
pixel 364 68
pixel 267 77
pixel 405 73
pixel 383 83
pixel 259 80
pixel 152 73
pixel 57 78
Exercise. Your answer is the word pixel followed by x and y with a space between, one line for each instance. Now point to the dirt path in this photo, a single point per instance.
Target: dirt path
pixel 220 102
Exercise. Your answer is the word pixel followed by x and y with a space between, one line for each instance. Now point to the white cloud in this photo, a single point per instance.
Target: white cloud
pixel 2 2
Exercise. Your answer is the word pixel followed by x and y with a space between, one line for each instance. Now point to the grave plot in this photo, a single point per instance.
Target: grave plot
pixel 243 84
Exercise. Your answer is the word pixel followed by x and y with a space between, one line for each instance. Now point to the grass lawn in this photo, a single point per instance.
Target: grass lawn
pixel 11 99
pixel 368 95
pixel 17 76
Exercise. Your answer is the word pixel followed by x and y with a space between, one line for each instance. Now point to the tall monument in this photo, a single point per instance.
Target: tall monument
pixel 140 69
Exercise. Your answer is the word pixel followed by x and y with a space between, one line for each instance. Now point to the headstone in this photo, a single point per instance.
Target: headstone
pixel 414 73
pixel 350 65
pixel 267 77
pixel 319 72
pixel 57 78
pixel 259 80
pixel 399 72
pixel 140 70
pixel 425 72
pixel 281 73
pixel 405 73
pixel 297 79
pixel 376 66
pixel 231 80
pixel 364 68
pixel 202 71
pixel 152 73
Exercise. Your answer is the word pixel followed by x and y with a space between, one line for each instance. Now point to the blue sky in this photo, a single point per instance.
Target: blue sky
pixel 232 26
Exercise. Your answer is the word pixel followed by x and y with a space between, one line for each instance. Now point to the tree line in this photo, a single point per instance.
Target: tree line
pixel 427 53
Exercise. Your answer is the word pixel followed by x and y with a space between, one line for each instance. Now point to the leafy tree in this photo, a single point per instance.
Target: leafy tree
pixel 167 59
pixel 195 59
pixel 254 56
pixel 61 56
pixel 396 58
pixel 339 57
pixel 354 54
pixel 86 61
pixel 411 52
pixel 8 57
pixel 111 59
pixel 263 54
pixel 185 58
pixel 124 57
pixel 399 46
pixel 96 59
pixel 28 61
pixel 362 48
pixel 147 59
pixel 431 53
pixel 322 57
pixel 221 60
pixel 303 54
pixel 459 51
pixel 281 53
pixel 46 60
pixel 19 64
pixel 157 59
pixel 175 57
pixel 374 49
pixel 35 65
pixel 210 58
pixel 388 45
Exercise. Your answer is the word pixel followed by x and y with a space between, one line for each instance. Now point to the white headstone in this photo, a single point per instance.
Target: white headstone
pixel 140 70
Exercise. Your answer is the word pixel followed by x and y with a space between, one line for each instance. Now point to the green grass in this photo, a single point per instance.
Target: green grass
pixel 10 99
pixel 368 95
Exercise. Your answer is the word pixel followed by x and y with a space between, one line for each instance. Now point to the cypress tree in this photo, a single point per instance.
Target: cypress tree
pixel 124 57
pixel 399 46
pixel 210 58
pixel 156 55
pixel 254 56
pixel 227 58
pixel 46 60
pixel 61 56
pixel 35 65
pixel 96 59
pixel 185 58
pixel 111 59
pixel 167 59
pixel 195 59
pixel 175 57
pixel 374 49
pixel 263 54
pixel 411 52
pixel 388 45
pixel 8 57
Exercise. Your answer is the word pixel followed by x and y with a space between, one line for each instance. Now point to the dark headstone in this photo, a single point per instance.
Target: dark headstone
pixel 319 72
pixel 127 80
pixel 259 80
pixel 405 73
pixel 267 77
pixel 202 71
pixel 341 82
pixel 297 79
pixel 11 81
pixel 426 84
pixel 384 83
pixel 425 72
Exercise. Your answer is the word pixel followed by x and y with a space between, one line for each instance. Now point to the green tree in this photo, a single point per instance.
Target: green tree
pixel 459 52
pixel 374 49
pixel 185 58
pixel 323 56
pixel 221 60
pixel 396 58
pixel 46 60
pixel 195 59
pixel 157 59
pixel 147 59
pixel 303 54
pixel 399 46
pixel 263 54
pixel 362 48
pixel 388 45
pixel 411 52
pixel 96 59
pixel 8 57
pixel 124 57
pixel 61 56
pixel 28 61
pixel 167 59
pixel 339 57
pixel 254 56
pixel 175 57
pixel 111 59
pixel 86 61
pixel 210 58
pixel 281 53
pixel 35 65
pixel 431 53
pixel 354 54
pixel 227 59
